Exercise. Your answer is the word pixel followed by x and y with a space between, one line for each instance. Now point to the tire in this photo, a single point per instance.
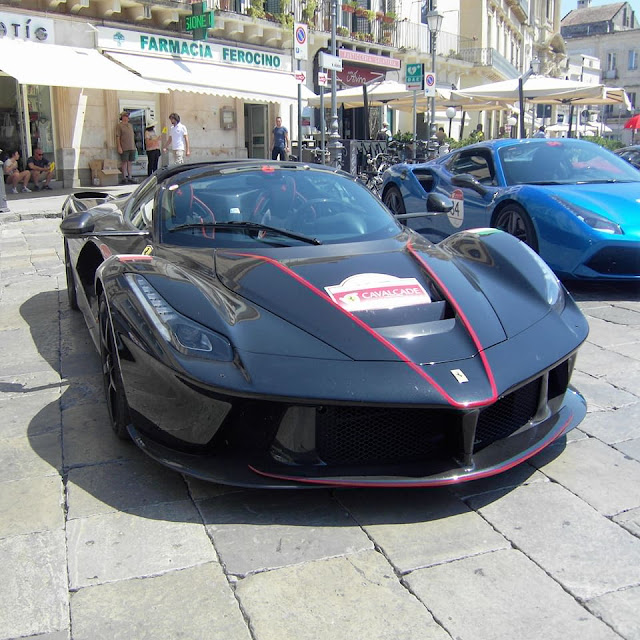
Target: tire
pixel 393 199
pixel 71 280
pixel 516 221
pixel 111 375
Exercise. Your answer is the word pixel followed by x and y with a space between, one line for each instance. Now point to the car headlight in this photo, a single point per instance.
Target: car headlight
pixel 183 334
pixel 594 220
pixel 554 291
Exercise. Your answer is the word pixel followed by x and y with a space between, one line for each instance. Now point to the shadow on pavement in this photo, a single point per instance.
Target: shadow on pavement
pixel 104 474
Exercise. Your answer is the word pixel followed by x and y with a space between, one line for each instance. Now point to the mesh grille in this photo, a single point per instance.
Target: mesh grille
pixel 616 261
pixel 507 415
pixel 350 435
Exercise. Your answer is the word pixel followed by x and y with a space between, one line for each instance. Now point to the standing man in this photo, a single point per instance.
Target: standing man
pixel 540 133
pixel 178 139
pixel 41 169
pixel 279 141
pixel 126 142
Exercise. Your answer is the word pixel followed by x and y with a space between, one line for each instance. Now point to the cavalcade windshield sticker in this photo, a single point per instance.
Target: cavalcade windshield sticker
pixel 369 291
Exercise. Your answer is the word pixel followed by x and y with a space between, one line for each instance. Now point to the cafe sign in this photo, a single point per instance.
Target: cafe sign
pixel 353 76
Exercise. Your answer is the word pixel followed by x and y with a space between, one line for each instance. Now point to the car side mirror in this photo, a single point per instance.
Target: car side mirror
pixel 77 224
pixel 437 203
pixel 467 181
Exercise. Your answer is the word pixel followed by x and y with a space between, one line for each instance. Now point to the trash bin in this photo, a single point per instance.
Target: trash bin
pixel 3 191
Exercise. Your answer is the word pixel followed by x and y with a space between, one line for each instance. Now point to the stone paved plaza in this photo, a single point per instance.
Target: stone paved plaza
pixel 98 541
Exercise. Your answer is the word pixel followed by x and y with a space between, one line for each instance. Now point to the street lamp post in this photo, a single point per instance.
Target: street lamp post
pixel 434 23
pixel 534 69
pixel 335 148
pixel 451 114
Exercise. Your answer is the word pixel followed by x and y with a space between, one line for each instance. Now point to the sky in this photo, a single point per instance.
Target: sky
pixel 567 5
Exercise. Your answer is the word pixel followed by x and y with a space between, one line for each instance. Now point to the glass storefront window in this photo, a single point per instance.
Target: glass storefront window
pixel 10 130
pixel 40 120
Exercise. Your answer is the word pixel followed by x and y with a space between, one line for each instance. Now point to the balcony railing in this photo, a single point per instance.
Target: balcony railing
pixel 488 57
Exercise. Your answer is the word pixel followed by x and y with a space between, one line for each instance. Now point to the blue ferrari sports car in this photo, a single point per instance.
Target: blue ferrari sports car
pixel 575 203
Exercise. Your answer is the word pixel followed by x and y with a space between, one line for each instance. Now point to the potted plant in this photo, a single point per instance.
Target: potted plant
pixel 309 12
pixel 389 17
pixel 343 31
pixel 349 7
pixel 256 9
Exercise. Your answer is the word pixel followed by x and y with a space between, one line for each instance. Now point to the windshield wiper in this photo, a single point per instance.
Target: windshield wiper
pixel 543 182
pixel 247 225
pixel 603 181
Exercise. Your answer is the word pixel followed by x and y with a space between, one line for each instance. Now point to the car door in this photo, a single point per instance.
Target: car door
pixel 469 179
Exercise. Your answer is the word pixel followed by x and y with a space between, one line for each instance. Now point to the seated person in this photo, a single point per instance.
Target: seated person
pixel 13 175
pixel 41 169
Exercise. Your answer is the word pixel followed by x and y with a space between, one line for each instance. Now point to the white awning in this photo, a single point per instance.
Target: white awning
pixel 58 66
pixel 250 85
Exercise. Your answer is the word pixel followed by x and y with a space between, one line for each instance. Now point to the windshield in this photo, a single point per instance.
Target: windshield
pixel 272 205
pixel 563 162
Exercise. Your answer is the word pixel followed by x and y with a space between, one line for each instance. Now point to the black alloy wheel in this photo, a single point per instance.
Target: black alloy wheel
pixel 111 374
pixel 393 199
pixel 514 220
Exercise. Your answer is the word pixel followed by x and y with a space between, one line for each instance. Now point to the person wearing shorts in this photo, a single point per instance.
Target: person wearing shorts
pixel 126 143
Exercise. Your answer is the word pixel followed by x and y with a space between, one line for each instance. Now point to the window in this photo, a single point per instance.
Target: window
pixel 611 61
pixel 476 162
pixel 633 59
pixel 632 99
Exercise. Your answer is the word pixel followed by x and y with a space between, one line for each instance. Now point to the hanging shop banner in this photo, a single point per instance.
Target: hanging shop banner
pixel 357 76
pixel 163 46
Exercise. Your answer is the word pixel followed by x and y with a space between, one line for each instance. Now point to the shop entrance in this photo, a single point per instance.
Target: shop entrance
pixel 26 120
pixel 257 139
pixel 140 115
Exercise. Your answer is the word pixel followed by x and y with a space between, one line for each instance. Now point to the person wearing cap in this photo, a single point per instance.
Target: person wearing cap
pixel 152 145
pixel 385 133
pixel 126 143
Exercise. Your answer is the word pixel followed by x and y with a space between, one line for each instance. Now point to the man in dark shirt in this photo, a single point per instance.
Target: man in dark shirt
pixel 279 141
pixel 41 170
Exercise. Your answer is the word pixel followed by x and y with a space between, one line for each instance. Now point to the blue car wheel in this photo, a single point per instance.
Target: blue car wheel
pixel 514 220
pixel 393 200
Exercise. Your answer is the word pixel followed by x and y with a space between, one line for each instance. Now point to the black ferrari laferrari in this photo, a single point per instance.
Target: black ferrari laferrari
pixel 272 324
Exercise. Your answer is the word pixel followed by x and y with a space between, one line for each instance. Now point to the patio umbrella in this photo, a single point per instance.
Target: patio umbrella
pixel 395 94
pixel 536 89
pixel 633 122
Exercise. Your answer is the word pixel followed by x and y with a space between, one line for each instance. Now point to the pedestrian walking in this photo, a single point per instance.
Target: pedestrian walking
pixel 279 141
pixel 178 140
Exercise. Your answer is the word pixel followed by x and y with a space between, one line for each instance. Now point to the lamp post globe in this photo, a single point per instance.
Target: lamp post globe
pixel 451 114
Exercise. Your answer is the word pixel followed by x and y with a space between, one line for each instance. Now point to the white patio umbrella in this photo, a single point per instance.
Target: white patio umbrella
pixel 536 89
pixel 395 95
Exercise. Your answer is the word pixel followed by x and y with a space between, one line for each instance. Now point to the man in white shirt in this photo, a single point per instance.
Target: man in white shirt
pixel 540 133
pixel 178 139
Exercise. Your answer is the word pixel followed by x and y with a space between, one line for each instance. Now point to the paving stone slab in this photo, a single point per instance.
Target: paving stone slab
pixel 602 476
pixel 420 528
pixel 356 597
pixel 502 595
pixel 122 486
pixel 31 413
pixel 194 603
pixel 614 426
pixel 600 362
pixel 619 610
pixel 30 457
pixel 609 334
pixel 600 394
pixel 33 589
pixel 31 505
pixel 630 520
pixel 259 530
pixel 583 550
pixel 86 390
pixel 616 314
pixel 117 546
pixel 88 438
pixel 630 448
